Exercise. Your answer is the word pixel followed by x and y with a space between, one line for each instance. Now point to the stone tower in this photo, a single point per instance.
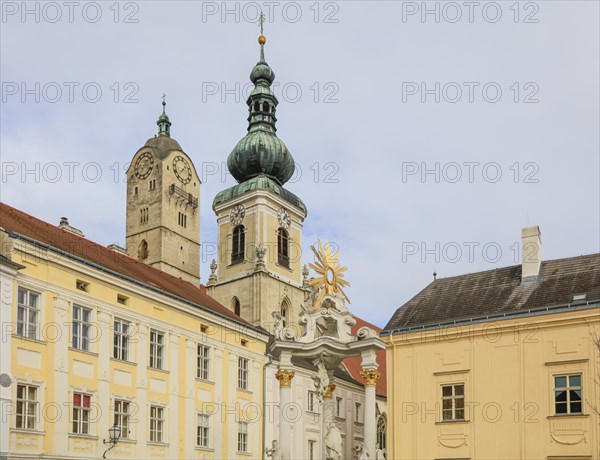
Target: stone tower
pixel 163 214
pixel 259 221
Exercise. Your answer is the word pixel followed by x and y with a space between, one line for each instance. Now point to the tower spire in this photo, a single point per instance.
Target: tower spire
pixel 164 125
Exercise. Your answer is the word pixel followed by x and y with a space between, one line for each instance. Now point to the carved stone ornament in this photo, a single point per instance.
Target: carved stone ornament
pixel 370 375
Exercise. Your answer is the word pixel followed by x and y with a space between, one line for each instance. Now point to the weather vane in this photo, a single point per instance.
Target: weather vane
pixel 163 98
pixel 261 21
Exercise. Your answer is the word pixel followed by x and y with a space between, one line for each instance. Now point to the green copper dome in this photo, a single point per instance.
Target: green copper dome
pixel 261 152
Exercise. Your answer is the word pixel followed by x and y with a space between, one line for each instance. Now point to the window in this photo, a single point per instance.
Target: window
pixel 81 413
pixel 27 313
pixel 567 394
pixel 239 243
pixel 339 407
pixel 312 450
pixel 122 417
pixel 81 285
pixel 82 318
pixel 121 340
pixel 312 402
pixel 242 437
pixel 143 250
pixel 283 247
pixel 242 374
pixel 453 402
pixel 381 433
pixel 358 412
pixel 203 430
pixel 143 215
pixel 157 345
pixel 182 220
pixel 152 184
pixel 122 299
pixel 203 362
pixel 157 422
pixel 236 307
pixel 27 405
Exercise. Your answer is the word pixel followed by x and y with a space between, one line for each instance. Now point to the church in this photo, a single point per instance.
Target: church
pixel 123 353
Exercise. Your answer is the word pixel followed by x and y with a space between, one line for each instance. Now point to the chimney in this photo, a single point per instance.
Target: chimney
pixel 64 224
pixel 531 249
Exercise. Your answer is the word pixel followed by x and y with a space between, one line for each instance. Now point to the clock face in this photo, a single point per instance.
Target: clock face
pixel 144 165
pixel 182 169
pixel 284 218
pixel 237 214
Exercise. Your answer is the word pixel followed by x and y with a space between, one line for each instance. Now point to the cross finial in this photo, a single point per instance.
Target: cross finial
pixel 261 21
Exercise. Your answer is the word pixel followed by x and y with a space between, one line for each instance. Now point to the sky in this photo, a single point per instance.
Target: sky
pixel 426 135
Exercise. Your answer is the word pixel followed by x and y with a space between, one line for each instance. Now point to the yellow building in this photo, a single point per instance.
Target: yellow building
pixel 499 364
pixel 92 338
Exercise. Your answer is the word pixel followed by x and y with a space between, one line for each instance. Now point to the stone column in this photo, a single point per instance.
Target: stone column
pixel 285 389
pixel 328 415
pixel 370 376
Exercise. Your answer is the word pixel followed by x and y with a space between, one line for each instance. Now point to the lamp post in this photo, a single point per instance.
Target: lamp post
pixel 114 434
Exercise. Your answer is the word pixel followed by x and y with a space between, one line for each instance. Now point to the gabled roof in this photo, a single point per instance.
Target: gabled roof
pixel 15 221
pixel 499 291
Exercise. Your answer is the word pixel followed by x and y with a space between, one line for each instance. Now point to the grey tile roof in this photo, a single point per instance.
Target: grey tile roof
pixel 500 291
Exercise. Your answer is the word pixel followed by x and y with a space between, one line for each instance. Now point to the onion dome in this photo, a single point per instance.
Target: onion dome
pixel 163 144
pixel 164 125
pixel 261 152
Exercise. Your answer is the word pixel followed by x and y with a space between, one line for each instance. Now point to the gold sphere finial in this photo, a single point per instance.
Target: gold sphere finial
pixel 262 39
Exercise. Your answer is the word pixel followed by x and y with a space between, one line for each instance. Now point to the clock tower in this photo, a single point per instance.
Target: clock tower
pixel 259 267
pixel 163 215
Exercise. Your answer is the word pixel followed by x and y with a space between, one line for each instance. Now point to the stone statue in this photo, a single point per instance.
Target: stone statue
pixel 321 380
pixel 212 279
pixel 274 451
pixel 333 443
pixel 278 326
pixel 380 454
pixel 361 452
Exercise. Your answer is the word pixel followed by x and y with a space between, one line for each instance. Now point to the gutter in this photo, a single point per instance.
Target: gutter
pixel 264 418
pixel 500 316
pixel 133 280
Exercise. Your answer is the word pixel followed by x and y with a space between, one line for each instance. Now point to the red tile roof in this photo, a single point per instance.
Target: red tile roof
pixel 354 364
pixel 16 221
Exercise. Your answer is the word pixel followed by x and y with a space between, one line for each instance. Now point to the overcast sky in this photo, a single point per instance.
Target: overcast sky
pixel 497 101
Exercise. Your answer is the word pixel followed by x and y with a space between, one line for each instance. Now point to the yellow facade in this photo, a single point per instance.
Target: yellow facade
pixel 508 370
pixel 52 364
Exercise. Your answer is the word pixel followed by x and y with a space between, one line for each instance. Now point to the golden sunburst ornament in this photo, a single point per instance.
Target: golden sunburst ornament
pixel 331 274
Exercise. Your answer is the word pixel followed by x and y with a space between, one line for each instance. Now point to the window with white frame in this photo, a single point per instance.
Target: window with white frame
pixel 203 363
pixel 121 419
pixel 121 339
pixel 27 406
pixel 358 417
pixel 157 346
pixel 81 413
pixel 203 430
pixel 453 402
pixel 82 323
pixel 312 401
pixel 312 449
pixel 157 422
pixel 242 437
pixel 339 407
pixel 242 374
pixel 28 311
pixel 567 394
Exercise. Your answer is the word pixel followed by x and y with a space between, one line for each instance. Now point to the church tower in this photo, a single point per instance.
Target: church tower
pixel 163 214
pixel 259 221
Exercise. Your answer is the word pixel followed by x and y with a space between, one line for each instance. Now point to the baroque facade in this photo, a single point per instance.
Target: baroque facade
pixel 128 337
pixel 500 364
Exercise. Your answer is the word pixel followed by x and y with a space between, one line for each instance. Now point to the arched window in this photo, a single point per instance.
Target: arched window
pixel 235 305
pixel 283 247
pixel 266 107
pixel 143 250
pixel 285 311
pixel 257 106
pixel 382 433
pixel 239 242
